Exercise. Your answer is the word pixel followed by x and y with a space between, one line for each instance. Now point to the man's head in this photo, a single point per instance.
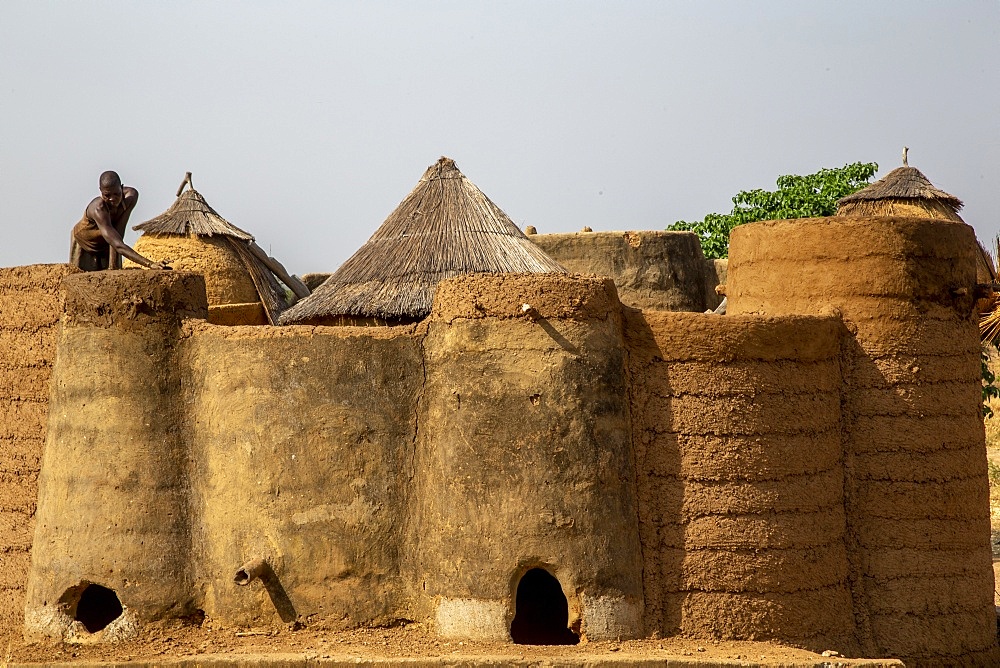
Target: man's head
pixel 111 188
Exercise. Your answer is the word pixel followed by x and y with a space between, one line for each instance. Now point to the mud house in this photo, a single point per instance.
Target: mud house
pixel 809 469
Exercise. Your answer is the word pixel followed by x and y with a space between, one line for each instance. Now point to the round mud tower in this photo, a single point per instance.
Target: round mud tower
pixel 736 422
pixel 523 459
pixel 232 297
pixel 113 494
pixel 917 488
pixel 652 270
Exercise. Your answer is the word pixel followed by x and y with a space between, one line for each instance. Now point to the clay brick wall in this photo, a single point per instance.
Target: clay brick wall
pixel 29 314
pixel 917 497
pixel 737 428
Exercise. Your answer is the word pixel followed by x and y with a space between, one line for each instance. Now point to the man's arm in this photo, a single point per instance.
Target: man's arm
pixel 114 238
pixel 130 197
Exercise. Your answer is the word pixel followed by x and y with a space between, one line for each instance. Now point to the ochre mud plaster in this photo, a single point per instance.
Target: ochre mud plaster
pixel 301 458
pixel 917 494
pixel 736 423
pixel 809 469
pixel 114 473
pixel 523 458
pixel 653 270
pixel 29 315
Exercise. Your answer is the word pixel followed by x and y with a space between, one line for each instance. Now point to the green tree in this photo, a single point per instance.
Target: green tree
pixel 796 197
pixel 990 390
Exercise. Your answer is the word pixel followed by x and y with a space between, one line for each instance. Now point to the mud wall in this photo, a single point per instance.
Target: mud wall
pixel 523 457
pixel 29 315
pixel 917 494
pixel 736 424
pixel 226 278
pixel 653 270
pixel 113 484
pixel 301 458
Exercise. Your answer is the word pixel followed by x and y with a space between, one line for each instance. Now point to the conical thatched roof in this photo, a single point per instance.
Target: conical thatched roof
pixel 903 186
pixel 445 227
pixel 191 214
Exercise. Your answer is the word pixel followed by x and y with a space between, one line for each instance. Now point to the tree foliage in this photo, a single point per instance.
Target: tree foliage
pixel 796 197
pixel 990 390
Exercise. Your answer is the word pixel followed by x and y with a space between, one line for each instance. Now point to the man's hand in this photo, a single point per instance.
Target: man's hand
pixel 159 265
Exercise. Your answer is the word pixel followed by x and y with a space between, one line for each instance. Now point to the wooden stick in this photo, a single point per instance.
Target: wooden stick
pixel 186 181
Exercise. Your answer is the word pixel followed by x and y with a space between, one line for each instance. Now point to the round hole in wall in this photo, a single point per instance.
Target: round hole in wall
pixel 541 611
pixel 98 607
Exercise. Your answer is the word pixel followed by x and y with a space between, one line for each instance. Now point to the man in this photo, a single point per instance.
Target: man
pixel 97 239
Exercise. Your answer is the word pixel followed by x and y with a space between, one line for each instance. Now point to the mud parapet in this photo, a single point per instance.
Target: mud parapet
pixel 29 315
pixel 653 270
pixel 523 462
pixel 917 493
pixel 736 423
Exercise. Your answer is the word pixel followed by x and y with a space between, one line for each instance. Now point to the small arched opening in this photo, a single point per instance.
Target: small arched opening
pixel 98 606
pixel 541 614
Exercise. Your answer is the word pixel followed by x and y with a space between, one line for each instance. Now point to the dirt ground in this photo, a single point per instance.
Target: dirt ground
pixel 168 642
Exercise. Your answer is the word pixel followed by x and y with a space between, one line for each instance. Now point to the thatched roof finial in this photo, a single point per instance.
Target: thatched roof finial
pixel 186 182
pixel 906 149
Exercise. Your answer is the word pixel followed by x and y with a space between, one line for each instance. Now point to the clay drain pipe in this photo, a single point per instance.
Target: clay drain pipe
pixel 250 571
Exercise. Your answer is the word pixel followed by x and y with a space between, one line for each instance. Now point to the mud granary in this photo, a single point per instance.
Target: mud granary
pixel 808 469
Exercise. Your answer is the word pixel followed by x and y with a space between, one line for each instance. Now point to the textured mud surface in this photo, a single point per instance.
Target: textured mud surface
pixel 736 423
pixel 29 314
pixel 226 279
pixel 654 270
pixel 742 491
pixel 166 643
pixel 916 492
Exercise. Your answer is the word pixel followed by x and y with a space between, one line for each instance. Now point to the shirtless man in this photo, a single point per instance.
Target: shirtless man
pixel 97 239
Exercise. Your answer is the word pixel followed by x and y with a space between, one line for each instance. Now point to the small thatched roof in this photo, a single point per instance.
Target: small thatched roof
pixel 906 185
pixel 445 227
pixel 191 214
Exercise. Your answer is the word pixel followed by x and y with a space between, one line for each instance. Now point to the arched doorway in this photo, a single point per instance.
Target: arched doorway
pixel 541 611
pixel 98 606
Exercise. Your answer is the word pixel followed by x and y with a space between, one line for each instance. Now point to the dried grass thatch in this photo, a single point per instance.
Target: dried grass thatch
pixel 989 327
pixel 445 227
pixel 921 208
pixel 903 191
pixel 989 320
pixel 191 214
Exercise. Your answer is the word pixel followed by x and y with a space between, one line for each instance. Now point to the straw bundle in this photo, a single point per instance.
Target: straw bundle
pixel 989 327
pixel 989 320
pixel 445 227
pixel 919 208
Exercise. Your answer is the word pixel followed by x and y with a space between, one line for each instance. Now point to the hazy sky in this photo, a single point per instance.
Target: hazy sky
pixel 306 123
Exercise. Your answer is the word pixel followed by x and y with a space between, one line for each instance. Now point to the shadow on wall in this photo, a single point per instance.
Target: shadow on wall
pixel 660 488
pixel 258 569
